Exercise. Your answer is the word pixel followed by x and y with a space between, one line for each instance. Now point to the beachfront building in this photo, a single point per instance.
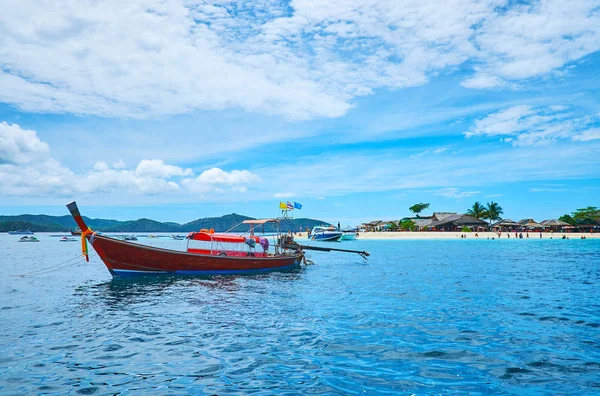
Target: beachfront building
pixel 554 224
pixel 506 225
pixel 424 223
pixel 374 225
pixel 531 225
pixel 457 222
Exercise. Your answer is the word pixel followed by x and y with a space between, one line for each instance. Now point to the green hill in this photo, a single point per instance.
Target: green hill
pixel 141 225
pixel 219 224
pixel 6 226
pixel 46 223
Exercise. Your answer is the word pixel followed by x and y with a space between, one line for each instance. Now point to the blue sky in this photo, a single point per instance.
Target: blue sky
pixel 357 109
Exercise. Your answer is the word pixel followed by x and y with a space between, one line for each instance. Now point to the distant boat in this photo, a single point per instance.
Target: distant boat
pixel 349 234
pixel 178 237
pixel 21 232
pixel 130 238
pixel 67 239
pixel 28 239
pixel 325 234
pixel 76 232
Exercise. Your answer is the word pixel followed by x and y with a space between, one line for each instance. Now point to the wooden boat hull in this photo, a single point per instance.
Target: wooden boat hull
pixel 129 259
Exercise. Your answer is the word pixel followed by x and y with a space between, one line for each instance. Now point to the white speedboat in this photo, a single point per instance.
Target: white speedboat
pixel 325 233
pixel 349 234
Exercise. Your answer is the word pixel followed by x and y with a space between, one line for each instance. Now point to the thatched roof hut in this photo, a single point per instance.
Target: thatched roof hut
pixel 506 223
pixel 459 221
pixel 554 223
pixel 530 223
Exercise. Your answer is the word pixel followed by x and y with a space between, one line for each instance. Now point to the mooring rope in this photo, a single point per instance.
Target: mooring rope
pixel 67 263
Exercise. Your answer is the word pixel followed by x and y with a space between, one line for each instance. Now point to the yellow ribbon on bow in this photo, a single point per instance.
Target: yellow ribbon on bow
pixel 84 247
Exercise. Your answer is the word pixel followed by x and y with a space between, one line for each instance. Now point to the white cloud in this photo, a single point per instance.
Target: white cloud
pixel 302 59
pixel 464 173
pixel 100 166
pixel 453 192
pixel 532 40
pixel 482 81
pixel 20 146
pixel 283 195
pixel 27 170
pixel 119 164
pixel 590 134
pixel 158 168
pixel 526 125
pixel 216 179
pixel 546 189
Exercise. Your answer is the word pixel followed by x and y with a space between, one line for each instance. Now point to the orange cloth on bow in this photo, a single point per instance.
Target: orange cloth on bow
pixel 84 248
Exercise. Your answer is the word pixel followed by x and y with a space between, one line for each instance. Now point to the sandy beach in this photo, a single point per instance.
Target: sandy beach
pixel 469 235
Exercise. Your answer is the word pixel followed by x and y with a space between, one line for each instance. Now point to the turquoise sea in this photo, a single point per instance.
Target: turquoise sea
pixel 419 317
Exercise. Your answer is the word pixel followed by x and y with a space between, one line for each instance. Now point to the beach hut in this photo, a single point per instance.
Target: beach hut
pixel 374 225
pixel 506 225
pixel 457 222
pixel 530 224
pixel 554 224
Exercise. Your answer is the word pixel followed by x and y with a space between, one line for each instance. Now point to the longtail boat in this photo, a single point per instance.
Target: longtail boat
pixel 208 253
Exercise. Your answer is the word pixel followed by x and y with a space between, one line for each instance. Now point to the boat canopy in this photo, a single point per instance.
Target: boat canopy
pixel 219 237
pixel 260 221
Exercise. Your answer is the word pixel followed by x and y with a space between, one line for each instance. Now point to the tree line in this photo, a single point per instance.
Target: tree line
pixel 492 211
pixel 589 215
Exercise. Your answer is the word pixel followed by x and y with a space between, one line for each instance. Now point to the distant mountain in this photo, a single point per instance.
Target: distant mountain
pixel 141 225
pixel 66 221
pixel 6 226
pixel 45 223
pixel 219 224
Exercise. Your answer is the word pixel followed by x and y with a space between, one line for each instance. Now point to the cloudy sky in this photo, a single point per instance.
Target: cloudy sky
pixel 357 109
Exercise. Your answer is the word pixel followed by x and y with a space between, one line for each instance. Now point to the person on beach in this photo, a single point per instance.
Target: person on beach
pixel 527 234
pixel 521 235
pixel 540 235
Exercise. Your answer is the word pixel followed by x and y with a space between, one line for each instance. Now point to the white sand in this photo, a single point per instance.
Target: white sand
pixel 470 235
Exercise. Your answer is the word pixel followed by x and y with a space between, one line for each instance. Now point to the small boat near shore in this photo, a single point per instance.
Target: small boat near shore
pixel 349 234
pixel 325 234
pixel 68 239
pixel 29 239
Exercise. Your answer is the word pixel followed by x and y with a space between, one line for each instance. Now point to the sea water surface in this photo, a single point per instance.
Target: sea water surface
pixel 418 317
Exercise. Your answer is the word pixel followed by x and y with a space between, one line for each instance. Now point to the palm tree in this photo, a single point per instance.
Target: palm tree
pixel 477 211
pixel 493 211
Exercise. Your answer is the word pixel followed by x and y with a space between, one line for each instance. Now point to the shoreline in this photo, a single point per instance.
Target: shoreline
pixel 409 235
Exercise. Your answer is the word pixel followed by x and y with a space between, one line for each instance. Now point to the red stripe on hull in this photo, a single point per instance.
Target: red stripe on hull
pixel 121 255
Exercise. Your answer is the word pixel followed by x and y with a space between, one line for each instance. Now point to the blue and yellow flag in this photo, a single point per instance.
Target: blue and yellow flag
pixel 297 205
